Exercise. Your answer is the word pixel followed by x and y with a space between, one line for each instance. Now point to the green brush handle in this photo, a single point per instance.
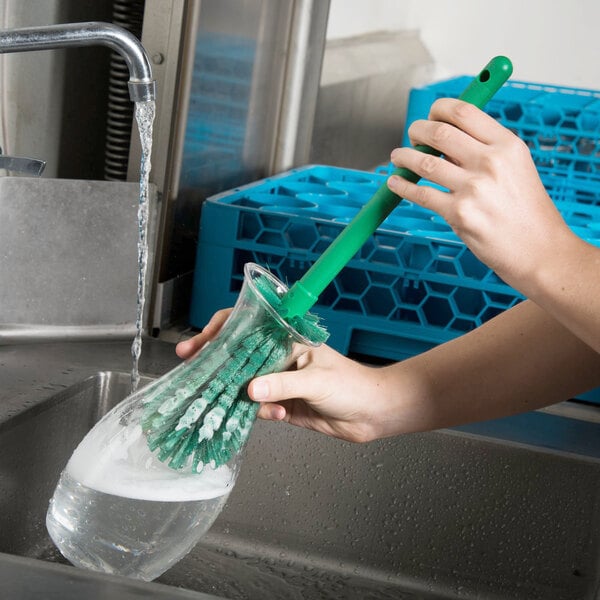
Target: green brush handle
pixel 305 292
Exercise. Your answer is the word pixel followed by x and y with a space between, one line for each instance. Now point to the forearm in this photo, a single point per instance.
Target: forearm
pixel 567 285
pixel 521 360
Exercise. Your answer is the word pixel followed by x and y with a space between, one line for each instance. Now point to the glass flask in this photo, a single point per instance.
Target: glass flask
pixel 122 508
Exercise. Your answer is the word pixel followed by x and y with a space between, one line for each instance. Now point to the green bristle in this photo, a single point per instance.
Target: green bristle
pixel 157 396
pixel 193 413
pixel 172 405
pixel 178 442
pixel 170 442
pixel 200 456
pixel 185 450
pixel 213 359
pixel 210 455
pixel 216 386
pixel 243 412
pixel 205 418
pixel 235 439
pixel 159 437
pixel 212 422
pixel 158 429
pixel 225 453
pixel 160 424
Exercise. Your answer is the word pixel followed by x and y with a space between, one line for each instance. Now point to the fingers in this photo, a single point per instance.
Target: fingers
pixel 263 390
pixel 272 412
pixel 275 387
pixel 468 119
pixel 461 133
pixel 456 145
pixel 287 385
pixel 423 195
pixel 188 348
pixel 445 173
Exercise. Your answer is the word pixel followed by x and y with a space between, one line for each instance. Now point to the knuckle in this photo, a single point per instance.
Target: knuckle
pixel 219 316
pixel 472 187
pixel 399 185
pixel 422 195
pixel 493 167
pixel 518 148
pixel 283 386
pixel 224 312
pixel 463 111
pixel 489 163
pixel 462 211
pixel 440 134
pixel 428 164
pixel 465 210
pixel 452 110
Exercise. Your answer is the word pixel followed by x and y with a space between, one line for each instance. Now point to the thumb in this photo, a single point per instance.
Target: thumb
pixel 277 387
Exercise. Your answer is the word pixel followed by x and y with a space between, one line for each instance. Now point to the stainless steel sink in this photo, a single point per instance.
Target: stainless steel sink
pixel 438 515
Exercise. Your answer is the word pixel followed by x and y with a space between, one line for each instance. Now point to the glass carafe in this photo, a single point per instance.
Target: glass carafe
pixel 117 508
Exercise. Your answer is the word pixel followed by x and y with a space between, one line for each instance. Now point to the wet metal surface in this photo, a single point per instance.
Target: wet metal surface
pixel 430 516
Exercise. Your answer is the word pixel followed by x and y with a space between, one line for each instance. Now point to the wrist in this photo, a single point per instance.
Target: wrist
pixel 403 400
pixel 559 271
pixel 568 288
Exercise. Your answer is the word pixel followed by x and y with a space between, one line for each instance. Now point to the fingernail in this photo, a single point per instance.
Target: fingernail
pixel 394 153
pixel 260 390
pixel 393 181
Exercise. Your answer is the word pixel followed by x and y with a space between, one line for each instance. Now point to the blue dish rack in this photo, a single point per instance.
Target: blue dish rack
pixel 412 286
pixel 561 126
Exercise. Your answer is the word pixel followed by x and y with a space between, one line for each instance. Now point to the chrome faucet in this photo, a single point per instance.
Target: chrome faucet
pixel 142 86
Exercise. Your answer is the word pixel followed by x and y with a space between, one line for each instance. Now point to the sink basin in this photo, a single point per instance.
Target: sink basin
pixel 437 515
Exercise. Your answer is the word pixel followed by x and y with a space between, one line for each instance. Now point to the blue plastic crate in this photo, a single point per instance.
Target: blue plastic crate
pixel 413 285
pixel 561 126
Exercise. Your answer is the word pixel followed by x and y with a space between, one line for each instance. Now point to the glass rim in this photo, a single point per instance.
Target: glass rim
pixel 251 267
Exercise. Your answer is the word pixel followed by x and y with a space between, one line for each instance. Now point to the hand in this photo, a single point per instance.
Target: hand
pixel 325 391
pixel 498 205
pixel 496 202
pixel 188 348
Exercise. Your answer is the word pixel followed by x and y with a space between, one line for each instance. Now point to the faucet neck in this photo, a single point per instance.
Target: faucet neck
pixel 142 86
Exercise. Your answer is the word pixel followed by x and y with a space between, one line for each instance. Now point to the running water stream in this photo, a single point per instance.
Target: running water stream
pixel 144 114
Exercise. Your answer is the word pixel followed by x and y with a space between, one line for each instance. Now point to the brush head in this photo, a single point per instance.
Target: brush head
pixel 306 328
pixel 200 414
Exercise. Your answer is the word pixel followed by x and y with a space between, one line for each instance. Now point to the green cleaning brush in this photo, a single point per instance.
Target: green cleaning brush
pixel 199 414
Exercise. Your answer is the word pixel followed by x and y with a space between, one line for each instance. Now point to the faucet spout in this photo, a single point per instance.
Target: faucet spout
pixel 142 86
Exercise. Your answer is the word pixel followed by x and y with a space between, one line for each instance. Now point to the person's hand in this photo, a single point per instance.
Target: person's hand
pixel 188 348
pixel 326 392
pixel 498 205
pixel 323 391
pixel 496 202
